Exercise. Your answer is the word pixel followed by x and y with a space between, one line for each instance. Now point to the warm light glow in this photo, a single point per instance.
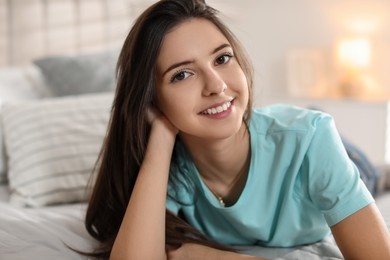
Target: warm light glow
pixel 354 53
pixel 361 26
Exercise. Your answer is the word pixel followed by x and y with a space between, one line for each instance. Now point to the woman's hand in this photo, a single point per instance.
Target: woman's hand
pixel 158 120
pixel 200 252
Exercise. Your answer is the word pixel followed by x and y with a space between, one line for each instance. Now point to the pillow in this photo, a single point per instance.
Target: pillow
pixel 52 146
pixel 368 172
pixel 74 75
pixel 18 83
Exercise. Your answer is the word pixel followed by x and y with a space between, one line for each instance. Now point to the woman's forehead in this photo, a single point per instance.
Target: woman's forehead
pixel 189 40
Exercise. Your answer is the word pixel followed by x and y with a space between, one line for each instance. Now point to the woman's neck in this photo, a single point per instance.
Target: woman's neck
pixel 221 163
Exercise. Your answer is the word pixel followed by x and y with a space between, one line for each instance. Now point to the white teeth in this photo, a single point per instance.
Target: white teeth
pixel 219 109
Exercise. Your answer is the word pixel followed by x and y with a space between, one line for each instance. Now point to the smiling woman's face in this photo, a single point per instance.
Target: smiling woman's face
pixel 201 88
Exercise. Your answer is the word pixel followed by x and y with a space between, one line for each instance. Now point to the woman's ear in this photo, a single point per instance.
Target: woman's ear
pixel 151 114
pixel 153 111
pixel 155 103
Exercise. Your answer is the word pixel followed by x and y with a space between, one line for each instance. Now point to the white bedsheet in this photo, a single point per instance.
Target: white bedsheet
pixel 41 233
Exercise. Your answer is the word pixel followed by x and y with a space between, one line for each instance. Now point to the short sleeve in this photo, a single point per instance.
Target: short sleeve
pixel 172 206
pixel 332 179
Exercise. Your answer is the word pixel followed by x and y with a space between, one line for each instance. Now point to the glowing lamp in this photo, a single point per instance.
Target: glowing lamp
pixel 354 58
pixel 354 53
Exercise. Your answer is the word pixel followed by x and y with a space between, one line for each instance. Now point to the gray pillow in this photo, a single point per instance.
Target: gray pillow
pixel 75 75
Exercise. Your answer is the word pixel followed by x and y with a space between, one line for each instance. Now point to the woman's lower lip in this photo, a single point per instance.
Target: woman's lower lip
pixel 222 114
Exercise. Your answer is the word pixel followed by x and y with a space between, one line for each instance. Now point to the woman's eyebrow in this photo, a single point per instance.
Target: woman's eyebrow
pixel 182 63
pixel 222 46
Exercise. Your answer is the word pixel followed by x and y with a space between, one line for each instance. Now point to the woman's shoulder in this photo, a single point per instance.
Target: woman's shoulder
pixel 281 117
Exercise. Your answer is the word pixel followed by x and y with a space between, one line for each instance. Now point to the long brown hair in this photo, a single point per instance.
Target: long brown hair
pixel 126 140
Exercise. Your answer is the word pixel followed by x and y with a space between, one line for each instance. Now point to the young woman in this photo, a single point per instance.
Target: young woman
pixel 189 169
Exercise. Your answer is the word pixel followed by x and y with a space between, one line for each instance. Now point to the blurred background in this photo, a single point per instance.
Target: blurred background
pixel 332 55
pixel 296 47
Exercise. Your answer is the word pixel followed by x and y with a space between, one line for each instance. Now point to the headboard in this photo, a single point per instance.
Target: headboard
pixel 35 28
pixel 31 29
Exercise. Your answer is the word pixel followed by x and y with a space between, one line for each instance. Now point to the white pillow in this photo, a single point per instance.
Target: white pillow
pixel 52 146
pixel 19 83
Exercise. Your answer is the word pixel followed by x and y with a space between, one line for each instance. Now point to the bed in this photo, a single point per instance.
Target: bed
pixel 55 100
pixel 49 145
pixel 46 233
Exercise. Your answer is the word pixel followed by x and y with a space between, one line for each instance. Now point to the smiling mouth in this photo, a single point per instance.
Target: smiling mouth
pixel 217 109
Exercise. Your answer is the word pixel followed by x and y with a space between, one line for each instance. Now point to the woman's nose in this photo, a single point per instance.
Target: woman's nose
pixel 213 83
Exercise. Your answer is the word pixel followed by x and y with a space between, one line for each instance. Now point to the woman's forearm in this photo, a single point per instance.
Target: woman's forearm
pixel 142 232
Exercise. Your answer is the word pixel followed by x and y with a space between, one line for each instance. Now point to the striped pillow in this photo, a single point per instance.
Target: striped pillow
pixel 52 146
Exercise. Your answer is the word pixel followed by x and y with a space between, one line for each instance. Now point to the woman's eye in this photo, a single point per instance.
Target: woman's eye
pixel 223 59
pixel 181 75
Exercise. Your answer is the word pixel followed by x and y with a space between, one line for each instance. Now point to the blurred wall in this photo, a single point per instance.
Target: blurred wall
pixel 269 29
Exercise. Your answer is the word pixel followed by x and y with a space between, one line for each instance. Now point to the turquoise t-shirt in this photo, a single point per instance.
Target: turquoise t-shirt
pixel 300 182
